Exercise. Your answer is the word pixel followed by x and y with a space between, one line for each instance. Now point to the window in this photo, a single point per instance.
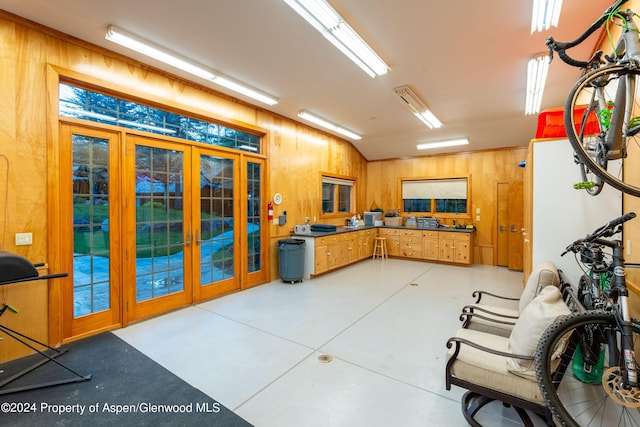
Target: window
pixel 338 195
pixel 98 107
pixel 435 196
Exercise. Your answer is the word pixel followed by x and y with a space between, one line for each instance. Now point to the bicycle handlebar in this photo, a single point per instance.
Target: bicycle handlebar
pixel 607 230
pixel 561 47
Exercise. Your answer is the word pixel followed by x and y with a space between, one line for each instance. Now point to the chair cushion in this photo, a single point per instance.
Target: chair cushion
pixel 545 274
pixel 490 370
pixel 528 330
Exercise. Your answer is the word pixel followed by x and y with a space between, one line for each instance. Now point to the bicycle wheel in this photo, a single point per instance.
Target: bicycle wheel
pixel 576 398
pixel 594 118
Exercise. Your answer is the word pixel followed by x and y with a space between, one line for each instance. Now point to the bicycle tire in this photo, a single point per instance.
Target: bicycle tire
pixel 572 401
pixel 589 144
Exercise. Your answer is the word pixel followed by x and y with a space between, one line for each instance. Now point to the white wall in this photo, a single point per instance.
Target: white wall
pixel 562 214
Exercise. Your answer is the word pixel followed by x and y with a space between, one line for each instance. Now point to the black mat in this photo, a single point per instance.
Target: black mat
pixel 126 388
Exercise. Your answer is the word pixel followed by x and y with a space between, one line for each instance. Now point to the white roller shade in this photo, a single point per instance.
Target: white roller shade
pixel 435 189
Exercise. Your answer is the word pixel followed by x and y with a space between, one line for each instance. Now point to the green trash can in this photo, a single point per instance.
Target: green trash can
pixel 291 259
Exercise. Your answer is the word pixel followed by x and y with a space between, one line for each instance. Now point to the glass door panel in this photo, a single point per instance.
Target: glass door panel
pixel 217 237
pixel 255 272
pixel 162 234
pixel 89 203
pixel 90 167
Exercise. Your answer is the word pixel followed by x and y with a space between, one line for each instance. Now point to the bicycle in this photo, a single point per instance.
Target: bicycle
pixel 597 268
pixel 603 338
pixel 599 110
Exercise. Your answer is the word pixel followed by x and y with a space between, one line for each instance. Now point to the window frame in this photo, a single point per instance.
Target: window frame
pixel 339 180
pixel 434 201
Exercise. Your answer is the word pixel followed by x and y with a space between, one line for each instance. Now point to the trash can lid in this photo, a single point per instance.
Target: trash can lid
pixel 291 242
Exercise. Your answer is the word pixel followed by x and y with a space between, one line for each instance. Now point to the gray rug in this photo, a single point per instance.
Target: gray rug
pixel 126 389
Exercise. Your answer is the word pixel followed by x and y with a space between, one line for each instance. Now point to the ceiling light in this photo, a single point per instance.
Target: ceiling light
pixel 545 14
pixel 441 144
pixel 328 125
pixel 417 107
pixel 161 54
pixel 536 79
pixel 330 24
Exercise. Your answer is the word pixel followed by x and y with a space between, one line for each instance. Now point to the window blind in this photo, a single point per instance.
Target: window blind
pixel 435 189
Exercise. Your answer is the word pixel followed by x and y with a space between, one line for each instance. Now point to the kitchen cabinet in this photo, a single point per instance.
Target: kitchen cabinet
pixel 430 243
pixel 326 253
pixel 454 247
pixel 393 240
pixel 331 251
pixel 410 243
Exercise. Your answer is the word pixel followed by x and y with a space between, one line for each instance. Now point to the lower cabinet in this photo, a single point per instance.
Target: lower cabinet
pixel 336 250
pixel 430 245
pixel 392 240
pixel 454 247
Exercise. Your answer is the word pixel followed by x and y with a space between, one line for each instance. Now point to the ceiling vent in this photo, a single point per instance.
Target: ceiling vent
pixel 416 106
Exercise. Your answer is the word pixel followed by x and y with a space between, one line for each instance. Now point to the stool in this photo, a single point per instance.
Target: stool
pixel 380 248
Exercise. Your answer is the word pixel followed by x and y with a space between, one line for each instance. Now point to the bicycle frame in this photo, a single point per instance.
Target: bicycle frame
pixel 620 306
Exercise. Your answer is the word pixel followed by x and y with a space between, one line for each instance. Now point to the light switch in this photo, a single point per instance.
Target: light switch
pixel 477 217
pixel 276 221
pixel 24 239
pixel 477 210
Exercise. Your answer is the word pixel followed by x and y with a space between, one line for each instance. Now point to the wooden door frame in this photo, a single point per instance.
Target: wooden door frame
pixel 133 310
pixel 202 293
pixel 63 326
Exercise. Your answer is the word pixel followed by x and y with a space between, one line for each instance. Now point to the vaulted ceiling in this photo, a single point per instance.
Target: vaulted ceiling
pixel 466 59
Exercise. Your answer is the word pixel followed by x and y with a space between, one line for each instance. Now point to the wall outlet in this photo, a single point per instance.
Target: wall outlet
pixel 24 239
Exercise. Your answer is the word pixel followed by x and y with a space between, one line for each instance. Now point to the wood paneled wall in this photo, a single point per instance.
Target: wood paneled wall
pixel 486 169
pixel 33 57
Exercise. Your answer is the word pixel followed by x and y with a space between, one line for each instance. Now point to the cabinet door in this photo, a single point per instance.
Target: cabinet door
pixel 321 260
pixel 430 248
pixel 446 249
pixel 333 255
pixel 462 248
pixel 461 252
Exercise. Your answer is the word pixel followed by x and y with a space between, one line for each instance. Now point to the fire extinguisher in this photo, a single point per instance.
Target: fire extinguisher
pixel 270 211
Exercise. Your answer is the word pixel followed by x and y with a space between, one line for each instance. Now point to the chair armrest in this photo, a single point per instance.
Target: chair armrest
pixel 466 318
pixel 478 295
pixel 470 309
pixel 457 341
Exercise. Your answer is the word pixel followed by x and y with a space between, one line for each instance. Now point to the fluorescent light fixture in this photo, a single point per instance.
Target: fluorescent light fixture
pixel 161 54
pixel 545 14
pixel 145 126
pixel 328 125
pixel 441 144
pixel 330 24
pixel 536 78
pixel 416 106
pixel 248 147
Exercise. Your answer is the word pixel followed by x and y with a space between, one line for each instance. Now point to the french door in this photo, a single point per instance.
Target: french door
pixel 157 225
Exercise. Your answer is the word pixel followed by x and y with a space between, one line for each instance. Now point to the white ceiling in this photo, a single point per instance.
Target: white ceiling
pixel 466 59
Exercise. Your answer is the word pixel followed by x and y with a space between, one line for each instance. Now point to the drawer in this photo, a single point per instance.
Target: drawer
pixel 410 250
pixel 430 234
pixel 388 232
pixel 410 233
pixel 326 240
pixel 411 239
pixel 455 235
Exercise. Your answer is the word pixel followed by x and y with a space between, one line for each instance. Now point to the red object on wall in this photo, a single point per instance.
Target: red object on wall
pixel 270 211
pixel 551 123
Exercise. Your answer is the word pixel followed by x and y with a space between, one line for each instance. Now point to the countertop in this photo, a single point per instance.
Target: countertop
pixel 344 229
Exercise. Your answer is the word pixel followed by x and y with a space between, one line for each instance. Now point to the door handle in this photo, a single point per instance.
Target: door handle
pixel 198 241
pixel 501 228
pixel 188 241
pixel 512 228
